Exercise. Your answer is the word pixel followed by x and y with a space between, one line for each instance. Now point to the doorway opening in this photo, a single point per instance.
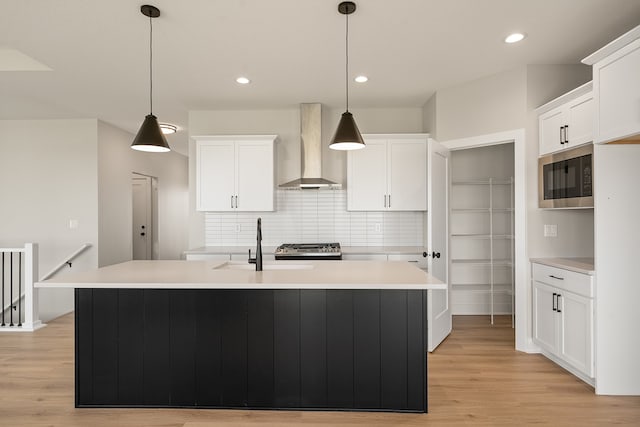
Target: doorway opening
pixel 144 192
pixel 482 272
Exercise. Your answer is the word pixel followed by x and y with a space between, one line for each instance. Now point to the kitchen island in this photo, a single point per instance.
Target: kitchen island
pixel 343 335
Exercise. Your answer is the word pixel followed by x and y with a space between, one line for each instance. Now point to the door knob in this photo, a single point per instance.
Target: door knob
pixel 435 254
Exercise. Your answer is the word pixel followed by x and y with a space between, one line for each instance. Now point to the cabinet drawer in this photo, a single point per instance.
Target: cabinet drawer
pixel 417 259
pixel 364 257
pixel 207 257
pixel 578 283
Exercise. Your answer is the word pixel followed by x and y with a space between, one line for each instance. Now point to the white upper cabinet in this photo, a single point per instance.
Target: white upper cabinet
pixel 390 173
pixel 566 121
pixel 616 85
pixel 235 173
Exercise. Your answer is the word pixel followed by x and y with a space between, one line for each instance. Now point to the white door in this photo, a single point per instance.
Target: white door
pixel 215 176
pixel 407 175
pixel 254 170
pixel 142 214
pixel 438 308
pixel 580 120
pixel 367 177
pixel 576 330
pixel 551 124
pixel 544 317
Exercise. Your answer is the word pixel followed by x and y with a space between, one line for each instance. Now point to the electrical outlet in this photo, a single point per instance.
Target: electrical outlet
pixel 550 230
pixel 378 227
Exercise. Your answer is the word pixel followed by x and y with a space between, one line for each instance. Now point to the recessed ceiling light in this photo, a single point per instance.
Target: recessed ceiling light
pixel 361 79
pixel 243 80
pixel 514 38
pixel 168 128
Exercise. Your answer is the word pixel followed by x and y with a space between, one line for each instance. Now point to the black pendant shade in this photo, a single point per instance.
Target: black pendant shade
pixel 347 136
pixel 150 137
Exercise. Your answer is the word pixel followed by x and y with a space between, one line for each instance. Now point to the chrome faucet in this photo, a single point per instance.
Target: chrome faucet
pixel 258 259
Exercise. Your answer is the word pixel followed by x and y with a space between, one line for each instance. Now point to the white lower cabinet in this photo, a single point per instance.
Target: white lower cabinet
pixel 563 316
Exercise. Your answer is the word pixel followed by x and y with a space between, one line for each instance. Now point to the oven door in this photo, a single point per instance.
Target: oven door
pixel 565 179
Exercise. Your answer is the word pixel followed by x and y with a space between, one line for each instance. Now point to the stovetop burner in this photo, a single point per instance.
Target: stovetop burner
pixel 328 251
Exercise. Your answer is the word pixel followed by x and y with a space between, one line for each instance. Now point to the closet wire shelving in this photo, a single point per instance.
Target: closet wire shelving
pixel 491 262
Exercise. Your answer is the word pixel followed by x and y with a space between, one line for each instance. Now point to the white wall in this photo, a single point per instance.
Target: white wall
pixel 617 210
pixel 48 176
pixel 116 162
pixel 286 124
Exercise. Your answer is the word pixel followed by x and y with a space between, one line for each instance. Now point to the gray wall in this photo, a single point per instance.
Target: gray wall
pixel 53 171
pixel 484 106
pixel 48 170
pixel 575 226
pixel 116 162
pixel 507 101
pixel 286 124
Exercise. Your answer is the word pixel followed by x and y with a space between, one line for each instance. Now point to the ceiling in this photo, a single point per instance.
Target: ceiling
pixel 292 50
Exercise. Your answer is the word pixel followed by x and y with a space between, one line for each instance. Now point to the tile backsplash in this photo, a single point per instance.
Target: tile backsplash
pixel 311 216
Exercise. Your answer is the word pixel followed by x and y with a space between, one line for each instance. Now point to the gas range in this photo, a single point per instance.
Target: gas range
pixel 319 251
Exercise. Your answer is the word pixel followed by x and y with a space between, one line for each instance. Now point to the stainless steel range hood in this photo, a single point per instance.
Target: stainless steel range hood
pixel 310 151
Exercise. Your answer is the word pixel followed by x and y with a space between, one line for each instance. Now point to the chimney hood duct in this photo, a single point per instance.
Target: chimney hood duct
pixel 310 151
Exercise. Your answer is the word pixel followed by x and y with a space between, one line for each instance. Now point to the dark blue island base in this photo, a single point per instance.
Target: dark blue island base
pixel 301 349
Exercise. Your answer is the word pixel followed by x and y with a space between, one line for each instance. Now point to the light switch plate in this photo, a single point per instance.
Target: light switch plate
pixel 550 230
pixel 73 224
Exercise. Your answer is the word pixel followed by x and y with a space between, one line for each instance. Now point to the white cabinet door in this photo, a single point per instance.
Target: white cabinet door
pixel 407 175
pixel 567 126
pixel 545 327
pixel 579 121
pixel 390 173
pixel 235 174
pixel 551 131
pixel 367 177
pixel 576 326
pixel 215 175
pixel 255 177
pixel 617 94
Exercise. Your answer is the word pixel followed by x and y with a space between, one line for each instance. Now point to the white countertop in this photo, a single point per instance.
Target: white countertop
pixel 345 250
pixel 276 275
pixel 579 265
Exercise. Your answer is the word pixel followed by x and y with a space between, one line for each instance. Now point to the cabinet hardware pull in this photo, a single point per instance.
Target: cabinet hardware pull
pixel 236 202
pixel 435 255
pixel 385 200
pixel 553 301
pixel 556 277
pixel 561 137
pixel 389 200
pixel 558 304
pixel 566 134
pixel 231 202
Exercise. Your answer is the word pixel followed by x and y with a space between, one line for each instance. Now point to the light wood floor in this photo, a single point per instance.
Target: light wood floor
pixel 475 378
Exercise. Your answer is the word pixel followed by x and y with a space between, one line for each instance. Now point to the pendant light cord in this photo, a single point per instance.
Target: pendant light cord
pixel 346 71
pixel 150 65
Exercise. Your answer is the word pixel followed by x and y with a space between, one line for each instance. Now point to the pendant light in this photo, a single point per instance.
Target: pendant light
pixel 347 136
pixel 150 137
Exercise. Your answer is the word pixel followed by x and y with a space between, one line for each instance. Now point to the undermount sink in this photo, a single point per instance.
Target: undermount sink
pixel 265 267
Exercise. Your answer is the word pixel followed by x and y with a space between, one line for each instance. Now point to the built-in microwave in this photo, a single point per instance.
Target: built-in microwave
pixel 565 179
